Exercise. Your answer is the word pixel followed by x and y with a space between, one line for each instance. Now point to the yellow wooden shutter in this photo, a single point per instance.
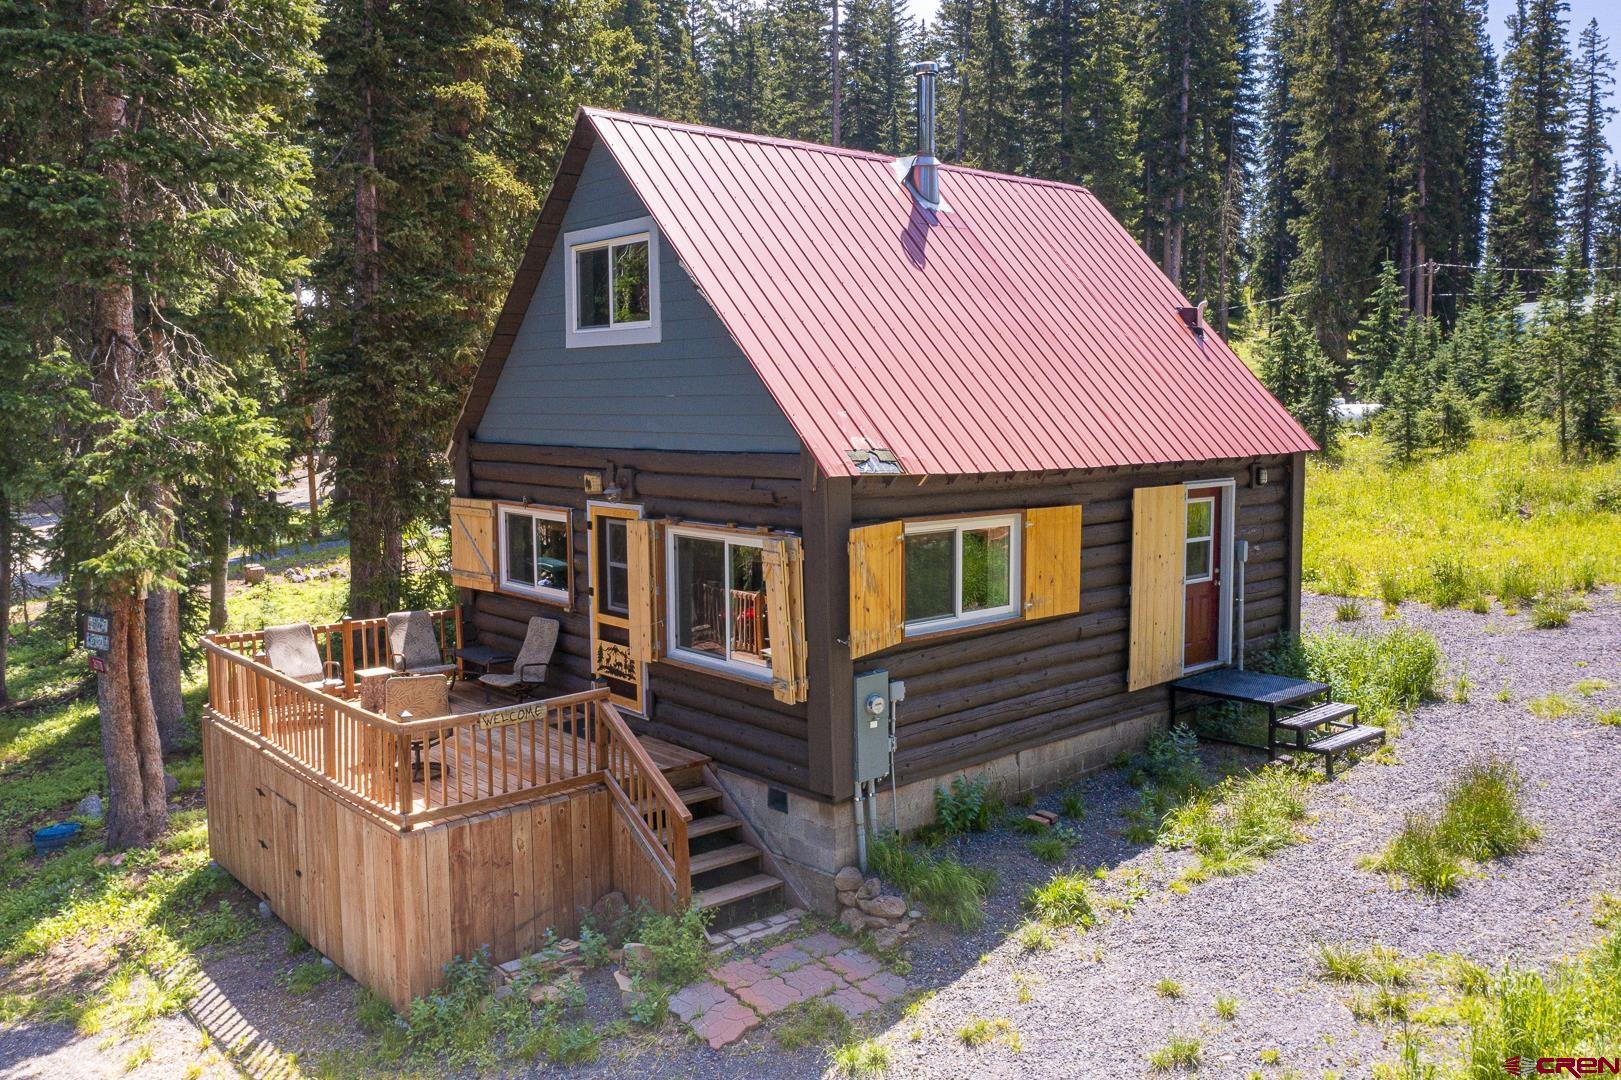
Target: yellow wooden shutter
pixel 1052 561
pixel 877 593
pixel 644 564
pixel 472 543
pixel 784 564
pixel 1158 536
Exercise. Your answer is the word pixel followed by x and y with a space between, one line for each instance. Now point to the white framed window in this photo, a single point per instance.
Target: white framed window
pixel 717 603
pixel 611 285
pixel 960 572
pixel 1201 540
pixel 535 552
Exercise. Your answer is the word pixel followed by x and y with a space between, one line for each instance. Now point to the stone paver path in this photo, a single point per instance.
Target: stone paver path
pixel 739 993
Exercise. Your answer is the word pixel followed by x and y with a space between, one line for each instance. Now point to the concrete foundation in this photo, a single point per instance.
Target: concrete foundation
pixel 813 840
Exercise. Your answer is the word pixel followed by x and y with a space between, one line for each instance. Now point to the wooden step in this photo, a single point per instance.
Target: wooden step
pixel 702 793
pixel 733 891
pixel 722 856
pixel 1329 712
pixel 1345 740
pixel 711 823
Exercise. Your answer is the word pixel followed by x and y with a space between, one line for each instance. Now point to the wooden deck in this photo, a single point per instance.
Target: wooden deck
pixel 476 763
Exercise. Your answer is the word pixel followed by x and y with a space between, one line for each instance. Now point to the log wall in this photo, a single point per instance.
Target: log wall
pixel 393 908
pixel 736 722
pixel 982 694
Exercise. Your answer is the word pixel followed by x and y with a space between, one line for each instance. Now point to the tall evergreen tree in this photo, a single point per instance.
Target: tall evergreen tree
pixel 1590 150
pixel 429 118
pixel 1524 227
pixel 1436 70
pixel 982 88
pixel 1339 165
pixel 1597 358
pixel 736 64
pixel 155 213
pixel 798 101
pixel 665 80
pixel 1378 339
pixel 1556 344
pixel 1300 375
pixel 1277 204
pixel 880 41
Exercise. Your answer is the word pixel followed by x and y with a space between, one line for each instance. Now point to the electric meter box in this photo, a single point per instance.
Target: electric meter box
pixel 875 725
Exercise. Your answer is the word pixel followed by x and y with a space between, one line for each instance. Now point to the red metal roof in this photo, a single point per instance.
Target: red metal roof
pixel 1020 329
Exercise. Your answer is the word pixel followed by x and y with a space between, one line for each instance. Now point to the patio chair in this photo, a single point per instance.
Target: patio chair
pixel 418 697
pixel 291 650
pixel 529 669
pixel 413 647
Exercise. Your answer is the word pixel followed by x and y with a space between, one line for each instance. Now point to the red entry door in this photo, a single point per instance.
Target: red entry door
pixel 1201 643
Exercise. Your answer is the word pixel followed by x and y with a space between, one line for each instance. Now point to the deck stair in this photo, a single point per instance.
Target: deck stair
pixel 732 875
pixel 1300 719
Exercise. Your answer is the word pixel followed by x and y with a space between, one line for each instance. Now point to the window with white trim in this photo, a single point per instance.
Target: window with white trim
pixel 611 285
pixel 534 552
pixel 717 601
pixel 1201 539
pixel 960 572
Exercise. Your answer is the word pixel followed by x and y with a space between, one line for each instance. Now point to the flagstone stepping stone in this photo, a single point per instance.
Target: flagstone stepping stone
pixel 736 974
pixel 854 964
pixel 724 1023
pixel 770 996
pixel 697 999
pixel 813 980
pixel 821 944
pixel 852 1002
pixel 784 958
pixel 886 986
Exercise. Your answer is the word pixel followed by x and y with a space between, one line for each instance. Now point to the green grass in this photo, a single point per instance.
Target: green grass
pixel 1480 820
pixel 1065 900
pixel 812 1023
pixel 1168 988
pixel 1553 706
pixel 1180 1052
pixel 1226 1007
pixel 1383 673
pixel 1050 848
pixel 948 890
pixel 276 600
pixel 869 1057
pixel 1241 820
pixel 1377 965
pixel 1502 517
pixel 304 978
pixel 979 1031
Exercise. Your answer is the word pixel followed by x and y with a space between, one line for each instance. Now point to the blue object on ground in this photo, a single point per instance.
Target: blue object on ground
pixel 55 837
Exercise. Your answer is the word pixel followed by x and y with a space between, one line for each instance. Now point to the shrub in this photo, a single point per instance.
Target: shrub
pixel 966 807
pixel 679 953
pixel 1181 1052
pixel 1065 900
pixel 1171 761
pixel 1481 819
pixel 948 890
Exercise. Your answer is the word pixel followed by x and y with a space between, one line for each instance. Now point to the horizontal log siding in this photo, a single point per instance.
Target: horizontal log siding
pixel 736 723
pixel 980 695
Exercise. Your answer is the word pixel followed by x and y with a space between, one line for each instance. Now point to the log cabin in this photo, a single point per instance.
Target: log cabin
pixel 850 474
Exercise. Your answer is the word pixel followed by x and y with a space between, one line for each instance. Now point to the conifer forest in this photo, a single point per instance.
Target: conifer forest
pixel 250 240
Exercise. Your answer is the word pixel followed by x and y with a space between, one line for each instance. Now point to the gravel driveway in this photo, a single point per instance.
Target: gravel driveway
pixel 1093 1009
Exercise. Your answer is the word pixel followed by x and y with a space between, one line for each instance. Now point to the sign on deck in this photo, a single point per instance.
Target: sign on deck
pixel 512 714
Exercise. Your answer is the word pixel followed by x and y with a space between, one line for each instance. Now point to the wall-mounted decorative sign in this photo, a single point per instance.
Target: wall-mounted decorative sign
pixel 512 714
pixel 593 482
pixel 97 638
pixel 615 662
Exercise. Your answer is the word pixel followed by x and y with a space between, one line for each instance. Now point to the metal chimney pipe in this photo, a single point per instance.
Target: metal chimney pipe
pixel 925 168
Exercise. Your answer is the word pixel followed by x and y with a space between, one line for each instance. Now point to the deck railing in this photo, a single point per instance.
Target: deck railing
pixel 353 644
pixel 414 772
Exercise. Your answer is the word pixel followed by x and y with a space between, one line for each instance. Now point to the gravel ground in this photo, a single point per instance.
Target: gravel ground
pixel 1092 1008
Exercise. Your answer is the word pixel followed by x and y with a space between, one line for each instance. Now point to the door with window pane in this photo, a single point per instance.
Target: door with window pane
pixel 608 550
pixel 1201 581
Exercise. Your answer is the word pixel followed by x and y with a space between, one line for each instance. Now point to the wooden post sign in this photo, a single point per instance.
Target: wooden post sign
pixel 512 714
pixel 97 638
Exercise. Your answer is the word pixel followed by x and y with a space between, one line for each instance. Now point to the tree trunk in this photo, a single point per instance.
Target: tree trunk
pixel 163 665
pixel 5 592
pixel 219 560
pixel 838 91
pixel 137 810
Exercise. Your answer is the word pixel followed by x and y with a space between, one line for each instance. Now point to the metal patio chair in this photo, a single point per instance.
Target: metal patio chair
pixel 529 669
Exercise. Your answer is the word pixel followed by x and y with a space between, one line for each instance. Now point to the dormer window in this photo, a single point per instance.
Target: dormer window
pixel 611 285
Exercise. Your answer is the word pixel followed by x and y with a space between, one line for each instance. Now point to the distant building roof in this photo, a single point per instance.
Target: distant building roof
pixel 1020 328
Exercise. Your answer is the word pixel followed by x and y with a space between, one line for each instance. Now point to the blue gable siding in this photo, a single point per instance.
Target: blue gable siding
pixel 693 390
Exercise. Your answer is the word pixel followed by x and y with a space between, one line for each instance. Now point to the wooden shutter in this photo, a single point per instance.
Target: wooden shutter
pixel 1158 536
pixel 877 593
pixel 644 566
pixel 472 543
pixel 784 564
pixel 1052 561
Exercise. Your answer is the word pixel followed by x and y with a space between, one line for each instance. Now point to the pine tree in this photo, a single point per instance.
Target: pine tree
pixel 665 81
pixel 1436 69
pixel 736 63
pixel 1590 150
pixel 798 100
pixel 1378 339
pixel 1556 344
pixel 1277 204
pixel 880 42
pixel 1524 227
pixel 1405 393
pixel 1504 388
pixel 1597 357
pixel 1302 378
pixel 149 234
pixel 1339 166
pixel 982 84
